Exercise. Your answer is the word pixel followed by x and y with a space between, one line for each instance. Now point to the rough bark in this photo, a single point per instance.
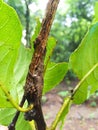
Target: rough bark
pixel 34 82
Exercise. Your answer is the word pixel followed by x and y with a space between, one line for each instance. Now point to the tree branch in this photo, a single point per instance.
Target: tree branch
pixel 13 123
pixel 34 81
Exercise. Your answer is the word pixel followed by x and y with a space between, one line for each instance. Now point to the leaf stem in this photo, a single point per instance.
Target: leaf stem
pixel 68 101
pixel 84 78
pixel 65 105
pixel 13 102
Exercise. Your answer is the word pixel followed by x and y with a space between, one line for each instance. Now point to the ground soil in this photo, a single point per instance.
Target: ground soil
pixel 80 117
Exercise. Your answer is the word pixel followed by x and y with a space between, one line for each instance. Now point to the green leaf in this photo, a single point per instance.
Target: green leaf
pixel 82 61
pixel 6 116
pixel 22 65
pixel 18 80
pixel 10 38
pixel 36 31
pixel 49 49
pixel 20 71
pixel 96 11
pixel 54 74
pixel 0 3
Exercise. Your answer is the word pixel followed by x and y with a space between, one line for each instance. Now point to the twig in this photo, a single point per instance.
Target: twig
pixel 13 123
pixel 63 110
pixel 84 78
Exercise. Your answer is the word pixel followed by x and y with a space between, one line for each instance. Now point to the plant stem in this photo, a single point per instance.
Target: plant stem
pixel 84 78
pixel 9 97
pixel 13 123
pixel 64 107
pixel 68 101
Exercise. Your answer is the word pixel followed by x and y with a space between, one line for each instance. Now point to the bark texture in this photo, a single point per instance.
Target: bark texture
pixel 34 81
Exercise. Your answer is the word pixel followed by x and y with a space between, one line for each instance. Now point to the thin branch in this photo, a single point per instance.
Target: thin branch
pixel 84 78
pixel 64 107
pixel 13 123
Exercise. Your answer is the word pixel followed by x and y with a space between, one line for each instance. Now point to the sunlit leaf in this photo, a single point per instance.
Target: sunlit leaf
pixel 20 71
pixel 49 49
pixel 83 60
pixel 10 37
pixel 96 11
pixel 55 73
pixel 36 31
